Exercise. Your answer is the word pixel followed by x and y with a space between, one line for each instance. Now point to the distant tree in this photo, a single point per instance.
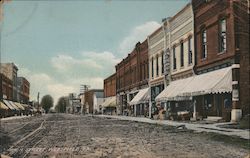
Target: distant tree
pixel 61 105
pixel 47 102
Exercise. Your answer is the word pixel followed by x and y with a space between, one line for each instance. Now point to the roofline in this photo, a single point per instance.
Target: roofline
pixel 182 10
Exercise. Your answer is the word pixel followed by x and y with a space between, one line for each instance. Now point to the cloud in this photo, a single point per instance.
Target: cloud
pixel 44 84
pixel 57 90
pixel 139 33
pixel 88 64
pixel 38 82
pixel 64 62
pixel 86 67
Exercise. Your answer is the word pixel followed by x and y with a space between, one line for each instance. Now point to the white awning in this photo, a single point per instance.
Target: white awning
pixel 218 81
pixel 8 104
pixel 141 97
pixel 109 102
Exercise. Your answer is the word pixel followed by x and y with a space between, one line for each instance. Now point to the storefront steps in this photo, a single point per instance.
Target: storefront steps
pixel 195 126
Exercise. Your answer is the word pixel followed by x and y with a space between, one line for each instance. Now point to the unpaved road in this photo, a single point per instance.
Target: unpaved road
pixel 63 135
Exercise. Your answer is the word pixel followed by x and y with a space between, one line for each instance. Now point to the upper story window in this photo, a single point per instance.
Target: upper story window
pixel 157 65
pixel 182 53
pixel 190 55
pixel 204 44
pixel 174 58
pixel 222 36
pixel 162 62
pixel 152 68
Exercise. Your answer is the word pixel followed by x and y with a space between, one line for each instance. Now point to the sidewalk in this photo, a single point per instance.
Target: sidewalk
pixel 196 127
pixel 13 117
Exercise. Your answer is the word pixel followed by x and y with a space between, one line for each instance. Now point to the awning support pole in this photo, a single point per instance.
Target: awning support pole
pixel 194 114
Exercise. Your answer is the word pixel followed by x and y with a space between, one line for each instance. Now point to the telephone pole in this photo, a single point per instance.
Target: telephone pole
pixel 84 88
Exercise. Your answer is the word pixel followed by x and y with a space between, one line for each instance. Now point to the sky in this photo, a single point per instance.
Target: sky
pixel 59 45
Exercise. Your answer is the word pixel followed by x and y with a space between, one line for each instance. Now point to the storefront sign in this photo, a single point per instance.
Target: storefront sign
pixel 235 95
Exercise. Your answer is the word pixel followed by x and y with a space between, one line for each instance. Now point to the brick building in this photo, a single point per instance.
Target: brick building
pixel 110 86
pixel 92 100
pixel 109 104
pixel 222 40
pixel 10 71
pixel 23 90
pixel 7 87
pixel 131 75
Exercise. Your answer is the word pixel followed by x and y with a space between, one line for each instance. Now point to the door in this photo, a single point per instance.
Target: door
pixel 218 105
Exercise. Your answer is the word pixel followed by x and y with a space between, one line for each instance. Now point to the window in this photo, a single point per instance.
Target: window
pixel 152 68
pixel 182 54
pixel 222 36
pixel 204 44
pixel 162 62
pixel 157 66
pixel 190 55
pixel 174 58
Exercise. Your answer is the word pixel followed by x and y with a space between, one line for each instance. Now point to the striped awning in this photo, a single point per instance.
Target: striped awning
pixel 14 105
pixel 19 105
pixel 6 102
pixel 25 105
pixel 3 106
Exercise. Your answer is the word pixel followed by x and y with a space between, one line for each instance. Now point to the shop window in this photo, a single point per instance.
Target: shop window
pixel 208 102
pixel 222 35
pixel 228 101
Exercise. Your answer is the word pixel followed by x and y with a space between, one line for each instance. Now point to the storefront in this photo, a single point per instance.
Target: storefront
pixel 140 103
pixel 208 94
pixel 109 106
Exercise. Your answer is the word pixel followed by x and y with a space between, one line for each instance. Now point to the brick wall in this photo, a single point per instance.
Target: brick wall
pixel 132 72
pixel 207 16
pixel 110 86
pixel 236 12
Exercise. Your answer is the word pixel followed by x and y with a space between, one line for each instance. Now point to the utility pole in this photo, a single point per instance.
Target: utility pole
pixel 1 78
pixel 84 88
pixel 38 101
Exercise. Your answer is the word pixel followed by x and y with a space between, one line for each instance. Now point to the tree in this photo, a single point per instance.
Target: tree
pixel 47 102
pixel 61 105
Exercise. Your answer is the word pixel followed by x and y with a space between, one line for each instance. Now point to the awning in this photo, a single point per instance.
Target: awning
pixel 19 105
pixel 25 106
pixel 6 102
pixel 218 81
pixel 13 105
pixel 3 106
pixel 109 102
pixel 141 97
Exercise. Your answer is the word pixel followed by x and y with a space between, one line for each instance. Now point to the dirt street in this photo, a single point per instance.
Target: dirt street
pixel 64 135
